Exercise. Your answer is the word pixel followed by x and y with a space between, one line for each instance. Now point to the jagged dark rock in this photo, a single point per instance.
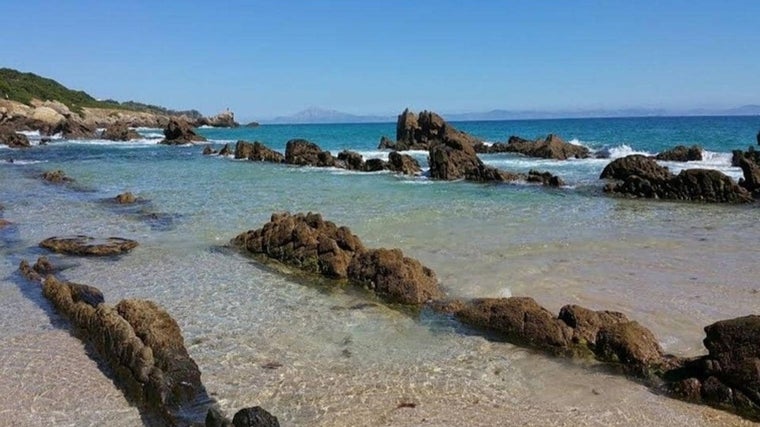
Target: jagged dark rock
pixel 586 323
pixel 208 150
pixel 544 178
pixel 351 160
pixel 226 150
pixel 403 163
pixel 75 129
pixel 631 345
pixel 681 153
pixel 178 132
pixel 420 132
pixel 305 153
pixel 254 417
pixel 12 139
pixel 257 151
pixel 635 164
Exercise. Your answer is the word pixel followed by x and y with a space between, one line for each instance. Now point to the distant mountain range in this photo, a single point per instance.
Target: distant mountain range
pixel 319 115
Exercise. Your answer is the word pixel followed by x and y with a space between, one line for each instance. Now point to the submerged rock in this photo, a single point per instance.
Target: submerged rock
pixel 681 153
pixel 394 277
pixel 125 198
pixel 178 132
pixel 305 153
pixel 88 246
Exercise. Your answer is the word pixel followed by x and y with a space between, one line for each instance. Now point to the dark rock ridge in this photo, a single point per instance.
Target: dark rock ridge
pixel 308 242
pixel 120 131
pixel 225 119
pixel 642 177
pixel 749 162
pixel 258 152
pixel 12 139
pixel 403 163
pixel 208 150
pixel 301 152
pixel 178 132
pixel 88 246
pixel 142 345
pixel 681 153
pixel 551 147
pixel 226 150
pixel 397 162
pixel 420 132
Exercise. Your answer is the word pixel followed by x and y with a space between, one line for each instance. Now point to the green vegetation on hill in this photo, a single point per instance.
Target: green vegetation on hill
pixel 23 87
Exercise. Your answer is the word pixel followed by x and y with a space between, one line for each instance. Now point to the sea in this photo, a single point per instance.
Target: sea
pixel 319 355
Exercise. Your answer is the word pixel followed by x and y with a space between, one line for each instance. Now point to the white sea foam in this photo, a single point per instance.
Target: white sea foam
pixel 132 143
pixel 22 162
pixel 153 135
pixel 29 133
pixel 619 151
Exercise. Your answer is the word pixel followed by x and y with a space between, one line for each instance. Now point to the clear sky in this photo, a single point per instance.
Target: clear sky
pixel 268 58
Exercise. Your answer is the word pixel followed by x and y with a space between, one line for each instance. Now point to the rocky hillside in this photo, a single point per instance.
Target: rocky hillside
pixel 31 102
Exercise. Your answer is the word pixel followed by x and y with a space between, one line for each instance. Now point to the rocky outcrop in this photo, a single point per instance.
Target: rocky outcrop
pixel 643 177
pixel 631 345
pixel 681 153
pixel 257 151
pixel 455 158
pixel 76 129
pixel 88 246
pixel 305 153
pixel 178 132
pixel 56 177
pixel 351 160
pixel 544 178
pixel 308 242
pixel 420 132
pixel 208 150
pixel 587 323
pixel 551 147
pixel 728 377
pixel 120 131
pixel 12 139
pixel 403 163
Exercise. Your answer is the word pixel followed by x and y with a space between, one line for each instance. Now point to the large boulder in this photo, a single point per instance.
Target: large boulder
pixel 351 160
pixel 12 139
pixel 630 344
pixel 74 128
pixel 254 417
pixel 394 277
pixel 179 131
pixel 305 153
pixel 681 153
pixel 751 172
pixel 544 178
pixel 519 319
pixel 257 151
pixel 454 158
pixel 551 147
pixel 403 163
pixel 120 131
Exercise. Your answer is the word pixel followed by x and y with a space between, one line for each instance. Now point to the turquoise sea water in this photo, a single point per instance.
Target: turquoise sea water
pixel 674 267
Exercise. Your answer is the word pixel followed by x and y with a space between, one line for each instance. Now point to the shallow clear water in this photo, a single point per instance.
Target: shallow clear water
pixel 674 267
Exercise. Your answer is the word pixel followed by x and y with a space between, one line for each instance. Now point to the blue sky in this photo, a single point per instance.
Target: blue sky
pixel 269 58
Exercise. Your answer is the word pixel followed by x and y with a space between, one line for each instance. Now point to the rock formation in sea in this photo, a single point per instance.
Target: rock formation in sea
pixel 641 176
pixel 120 131
pixel 301 152
pixel 179 132
pixel 419 132
pixel 749 162
pixel 56 177
pixel 225 119
pixel 125 198
pixel 681 153
pixel 551 147
pixel 257 151
pixel 308 242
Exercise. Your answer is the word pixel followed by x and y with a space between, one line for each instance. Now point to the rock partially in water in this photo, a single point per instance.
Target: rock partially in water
pixel 643 177
pixel 126 198
pixel 179 132
pixel 454 158
pixel 631 345
pixel 74 128
pixel 254 417
pixel 403 163
pixel 681 153
pixel 56 177
pixel 586 323
pixel 308 242
pixel 394 277
pixel 518 319
pixel 305 153
pixel 208 150
pixel 226 150
pixel 544 178
pixel 120 131
pixel 420 132
pixel 12 139
pixel 551 147
pixel 257 151
pixel 351 160
pixel 88 246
